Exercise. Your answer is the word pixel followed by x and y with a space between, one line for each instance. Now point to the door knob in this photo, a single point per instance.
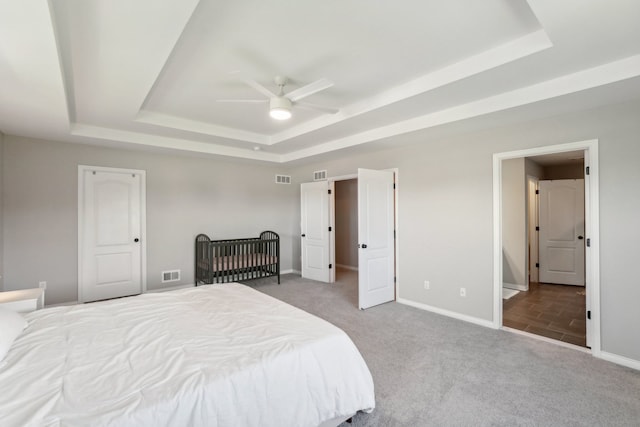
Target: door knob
pixel 580 237
pixel 136 240
pixel 364 246
pixel 304 235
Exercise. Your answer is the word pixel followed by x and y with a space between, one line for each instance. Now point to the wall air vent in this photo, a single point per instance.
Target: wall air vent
pixel 283 179
pixel 170 276
pixel 320 175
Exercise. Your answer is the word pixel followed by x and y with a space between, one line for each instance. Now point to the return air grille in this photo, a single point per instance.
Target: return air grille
pixel 283 179
pixel 320 175
pixel 170 276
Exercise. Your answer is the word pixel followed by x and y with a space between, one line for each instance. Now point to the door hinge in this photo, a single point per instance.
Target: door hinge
pixel 329 191
pixel 537 228
pixel 330 266
pixel 589 314
pixel 329 228
pixel 394 279
pixel 537 265
pixel 394 185
pixel 588 243
pixel 587 170
pixel 394 234
pixel 537 191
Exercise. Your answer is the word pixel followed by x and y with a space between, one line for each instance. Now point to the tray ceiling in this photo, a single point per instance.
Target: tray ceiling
pixel 149 74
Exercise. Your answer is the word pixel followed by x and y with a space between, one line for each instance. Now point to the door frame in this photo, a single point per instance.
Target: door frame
pixel 533 243
pixel 143 221
pixel 396 223
pixel 592 230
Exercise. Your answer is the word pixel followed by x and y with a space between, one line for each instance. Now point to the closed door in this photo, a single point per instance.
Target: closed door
pixel 314 197
pixel 110 216
pixel 562 240
pixel 376 260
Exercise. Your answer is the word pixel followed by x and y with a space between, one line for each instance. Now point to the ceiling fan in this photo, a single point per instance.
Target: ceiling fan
pixel 280 103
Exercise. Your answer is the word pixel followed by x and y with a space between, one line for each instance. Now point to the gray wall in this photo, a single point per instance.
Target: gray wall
pixel 514 223
pixel 1 214
pixel 346 228
pixel 445 211
pixel 185 196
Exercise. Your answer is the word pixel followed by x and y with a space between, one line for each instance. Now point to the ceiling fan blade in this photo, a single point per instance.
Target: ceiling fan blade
pixel 309 89
pixel 316 107
pixel 257 86
pixel 246 101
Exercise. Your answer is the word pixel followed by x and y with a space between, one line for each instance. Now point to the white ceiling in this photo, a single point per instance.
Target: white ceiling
pixel 147 74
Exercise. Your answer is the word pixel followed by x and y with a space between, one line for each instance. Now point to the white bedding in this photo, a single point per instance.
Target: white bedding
pixel 220 355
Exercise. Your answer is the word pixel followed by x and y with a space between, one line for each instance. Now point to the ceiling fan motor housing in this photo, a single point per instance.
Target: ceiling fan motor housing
pixel 280 102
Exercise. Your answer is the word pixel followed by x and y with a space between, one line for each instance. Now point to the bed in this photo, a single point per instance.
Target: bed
pixel 218 355
pixel 232 260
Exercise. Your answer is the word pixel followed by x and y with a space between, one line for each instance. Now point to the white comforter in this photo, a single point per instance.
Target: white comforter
pixel 221 355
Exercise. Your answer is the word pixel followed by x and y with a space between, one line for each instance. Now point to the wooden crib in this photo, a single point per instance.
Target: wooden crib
pixel 233 260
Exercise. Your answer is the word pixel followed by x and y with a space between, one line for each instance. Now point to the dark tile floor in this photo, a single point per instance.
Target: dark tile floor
pixel 553 311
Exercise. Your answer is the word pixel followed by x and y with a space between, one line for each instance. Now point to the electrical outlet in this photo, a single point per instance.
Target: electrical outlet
pixel 463 292
pixel 42 285
pixel 427 285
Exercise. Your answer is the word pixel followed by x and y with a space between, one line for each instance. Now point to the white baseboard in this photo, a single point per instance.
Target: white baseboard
pixel 170 288
pixel 516 287
pixel 347 267
pixel 290 272
pixel 61 304
pixel 464 317
pixel 620 360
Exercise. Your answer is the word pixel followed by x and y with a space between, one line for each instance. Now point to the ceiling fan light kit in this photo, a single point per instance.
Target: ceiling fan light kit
pixel 281 103
pixel 280 108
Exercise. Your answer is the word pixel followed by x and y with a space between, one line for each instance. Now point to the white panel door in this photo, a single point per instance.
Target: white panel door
pixel 314 197
pixel 376 261
pixel 110 218
pixel 562 232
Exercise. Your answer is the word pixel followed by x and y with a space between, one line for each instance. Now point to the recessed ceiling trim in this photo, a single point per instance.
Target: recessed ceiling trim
pixel 508 52
pixel 194 126
pixel 575 82
pixel 144 139
pixel 513 50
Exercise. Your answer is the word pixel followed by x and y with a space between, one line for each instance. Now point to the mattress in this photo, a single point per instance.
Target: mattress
pixel 217 355
pixel 231 262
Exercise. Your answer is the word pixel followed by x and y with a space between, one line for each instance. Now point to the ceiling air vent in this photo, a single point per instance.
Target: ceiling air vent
pixel 170 276
pixel 283 179
pixel 320 175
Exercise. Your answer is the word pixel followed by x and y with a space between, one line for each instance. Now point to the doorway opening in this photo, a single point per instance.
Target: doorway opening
pixel 353 235
pixel 546 256
pixel 543 218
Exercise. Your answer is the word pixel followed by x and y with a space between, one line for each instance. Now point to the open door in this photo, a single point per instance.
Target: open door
pixel 314 197
pixel 562 232
pixel 376 259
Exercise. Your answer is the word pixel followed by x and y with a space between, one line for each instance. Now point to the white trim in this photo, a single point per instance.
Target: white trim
pixel 143 220
pixel 347 267
pixel 291 271
pixel 515 286
pixel 620 360
pixel 343 177
pixel 332 232
pixel 171 288
pixel 592 229
pixel 448 313
pixel 62 304
pixel 545 339
pixel 532 223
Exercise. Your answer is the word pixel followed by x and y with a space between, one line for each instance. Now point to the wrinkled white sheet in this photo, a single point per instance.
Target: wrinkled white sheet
pixel 220 355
